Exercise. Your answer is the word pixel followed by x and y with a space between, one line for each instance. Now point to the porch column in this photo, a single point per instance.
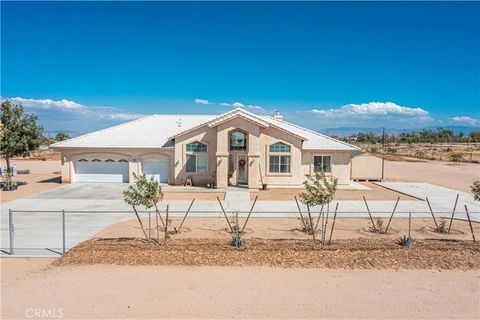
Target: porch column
pixel 222 169
pixel 253 171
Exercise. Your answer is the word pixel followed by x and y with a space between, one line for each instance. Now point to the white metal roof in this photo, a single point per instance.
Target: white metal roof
pixel 156 131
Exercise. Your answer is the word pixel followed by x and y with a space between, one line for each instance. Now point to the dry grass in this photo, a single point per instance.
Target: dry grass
pixel 349 254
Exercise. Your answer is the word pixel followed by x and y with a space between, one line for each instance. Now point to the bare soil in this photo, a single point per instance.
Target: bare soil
pixel 375 193
pixel 193 195
pixel 44 175
pixel 290 228
pixel 447 174
pixel 147 292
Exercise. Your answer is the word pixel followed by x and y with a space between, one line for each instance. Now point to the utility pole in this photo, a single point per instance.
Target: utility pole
pixel 383 158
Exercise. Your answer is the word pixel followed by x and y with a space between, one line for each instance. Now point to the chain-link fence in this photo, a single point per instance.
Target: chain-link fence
pixel 42 232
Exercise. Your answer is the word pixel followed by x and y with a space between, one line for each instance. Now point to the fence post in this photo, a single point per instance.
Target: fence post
pixel 149 229
pixel 63 232
pixel 11 230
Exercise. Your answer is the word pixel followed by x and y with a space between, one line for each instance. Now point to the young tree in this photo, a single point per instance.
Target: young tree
pixel 20 132
pixel 145 193
pixel 319 190
pixel 61 136
pixel 476 190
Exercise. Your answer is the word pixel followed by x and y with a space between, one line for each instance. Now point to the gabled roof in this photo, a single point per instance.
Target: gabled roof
pixel 157 131
pixel 241 113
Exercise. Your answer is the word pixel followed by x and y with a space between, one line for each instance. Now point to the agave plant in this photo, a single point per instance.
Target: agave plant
pixel 406 241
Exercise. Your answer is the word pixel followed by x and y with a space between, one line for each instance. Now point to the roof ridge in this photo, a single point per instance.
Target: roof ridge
pixel 314 132
pixel 58 144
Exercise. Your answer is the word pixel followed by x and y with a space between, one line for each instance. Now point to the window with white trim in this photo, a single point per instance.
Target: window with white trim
pixel 196 158
pixel 279 158
pixel 322 163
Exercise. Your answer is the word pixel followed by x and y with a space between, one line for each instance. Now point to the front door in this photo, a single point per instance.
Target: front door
pixel 242 175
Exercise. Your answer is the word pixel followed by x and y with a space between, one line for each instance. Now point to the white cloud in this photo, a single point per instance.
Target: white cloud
pixel 224 104
pixel 202 101
pixel 64 105
pixel 375 110
pixel 238 105
pixel 466 120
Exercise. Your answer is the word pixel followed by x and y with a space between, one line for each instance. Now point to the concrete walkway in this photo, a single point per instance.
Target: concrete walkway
pixel 237 199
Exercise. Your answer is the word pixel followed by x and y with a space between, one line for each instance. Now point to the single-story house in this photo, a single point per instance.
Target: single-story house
pixel 234 148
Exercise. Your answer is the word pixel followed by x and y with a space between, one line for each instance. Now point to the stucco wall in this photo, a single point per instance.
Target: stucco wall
pixel 133 156
pixel 206 136
pixel 340 163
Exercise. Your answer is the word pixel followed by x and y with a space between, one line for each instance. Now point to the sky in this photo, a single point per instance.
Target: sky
pixel 82 66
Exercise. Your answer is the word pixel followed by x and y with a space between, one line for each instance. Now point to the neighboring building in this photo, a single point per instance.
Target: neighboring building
pixel 235 148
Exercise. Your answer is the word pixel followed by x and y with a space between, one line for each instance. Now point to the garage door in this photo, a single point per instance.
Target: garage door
pixel 157 169
pixel 97 171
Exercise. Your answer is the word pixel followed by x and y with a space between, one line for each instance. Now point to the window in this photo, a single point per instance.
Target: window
pixel 196 147
pixel 83 160
pixel 238 141
pixel 279 164
pixel 279 147
pixel 196 157
pixel 96 160
pixel 122 160
pixel 279 158
pixel 322 163
pixel 109 160
pixel 196 163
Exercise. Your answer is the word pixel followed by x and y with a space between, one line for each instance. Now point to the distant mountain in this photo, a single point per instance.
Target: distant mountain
pixel 347 131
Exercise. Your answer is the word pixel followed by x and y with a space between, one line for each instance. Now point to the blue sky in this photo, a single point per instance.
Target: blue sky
pixel 86 65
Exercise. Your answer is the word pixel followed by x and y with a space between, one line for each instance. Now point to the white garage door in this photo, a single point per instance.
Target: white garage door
pixel 93 171
pixel 157 169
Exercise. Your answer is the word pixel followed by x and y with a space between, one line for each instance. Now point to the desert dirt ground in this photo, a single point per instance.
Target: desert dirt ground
pixel 43 175
pixel 447 174
pixel 290 228
pixel 100 291
pixel 374 193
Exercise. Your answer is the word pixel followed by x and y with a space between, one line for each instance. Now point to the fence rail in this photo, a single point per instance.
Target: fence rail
pixel 56 231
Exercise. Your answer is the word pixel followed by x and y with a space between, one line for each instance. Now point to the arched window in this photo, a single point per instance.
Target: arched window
pixel 83 160
pixel 196 147
pixel 279 147
pixel 279 158
pixel 122 160
pixel 238 141
pixel 96 160
pixel 109 160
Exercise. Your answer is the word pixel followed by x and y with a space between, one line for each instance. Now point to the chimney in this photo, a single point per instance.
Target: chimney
pixel 278 116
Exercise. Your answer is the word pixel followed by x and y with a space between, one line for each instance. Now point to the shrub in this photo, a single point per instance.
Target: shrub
pixel 378 226
pixel 456 157
pixel 476 190
pixel 406 241
pixel 441 226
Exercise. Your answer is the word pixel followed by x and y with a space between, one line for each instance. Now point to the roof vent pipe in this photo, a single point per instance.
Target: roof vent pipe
pixel 278 116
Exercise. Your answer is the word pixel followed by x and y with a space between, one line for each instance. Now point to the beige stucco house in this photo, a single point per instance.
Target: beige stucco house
pixel 235 148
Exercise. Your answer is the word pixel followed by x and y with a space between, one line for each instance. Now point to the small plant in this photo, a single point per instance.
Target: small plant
pixel 456 157
pixel 236 240
pixel 441 226
pixel 9 184
pixel 420 154
pixel 476 190
pixel 379 226
pixel 306 226
pixel 406 241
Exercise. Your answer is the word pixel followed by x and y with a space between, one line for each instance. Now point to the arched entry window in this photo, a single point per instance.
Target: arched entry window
pixel 238 141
